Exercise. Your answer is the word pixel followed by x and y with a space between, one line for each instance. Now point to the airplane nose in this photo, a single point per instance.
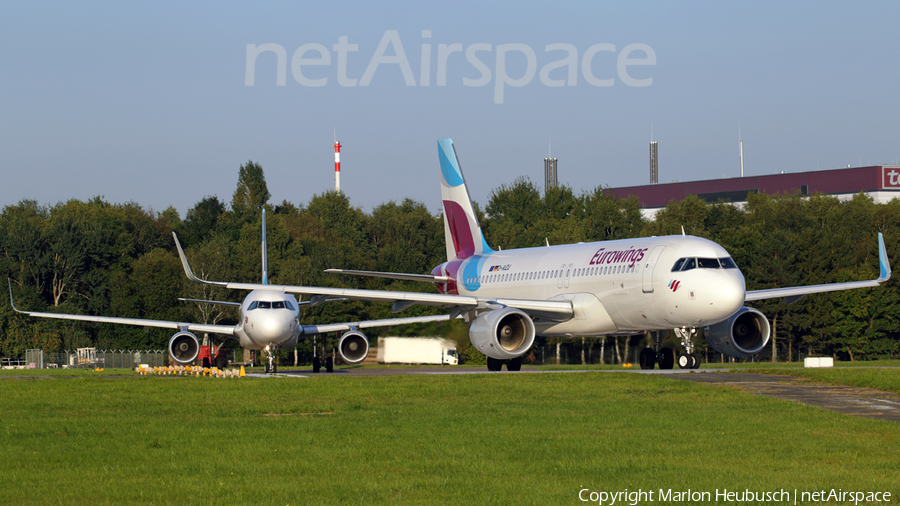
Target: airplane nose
pixel 727 296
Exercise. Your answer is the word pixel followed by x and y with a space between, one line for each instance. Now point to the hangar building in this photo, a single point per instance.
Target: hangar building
pixel 881 182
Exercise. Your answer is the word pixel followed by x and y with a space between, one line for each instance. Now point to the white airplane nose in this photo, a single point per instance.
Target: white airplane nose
pixel 726 296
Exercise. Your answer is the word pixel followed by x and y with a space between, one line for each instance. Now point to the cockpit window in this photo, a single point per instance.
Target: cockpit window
pixel 288 305
pixel 252 305
pixel 265 304
pixel 278 304
pixel 708 263
pixel 686 264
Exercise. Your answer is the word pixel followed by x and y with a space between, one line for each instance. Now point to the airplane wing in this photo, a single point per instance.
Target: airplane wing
pixel 795 293
pixel 227 330
pixel 428 278
pixel 548 309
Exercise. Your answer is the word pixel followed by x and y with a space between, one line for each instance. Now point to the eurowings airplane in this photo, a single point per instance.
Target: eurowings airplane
pixel 269 320
pixel 627 286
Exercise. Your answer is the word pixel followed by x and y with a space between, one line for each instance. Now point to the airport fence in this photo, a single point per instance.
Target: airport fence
pixel 93 358
pixel 113 359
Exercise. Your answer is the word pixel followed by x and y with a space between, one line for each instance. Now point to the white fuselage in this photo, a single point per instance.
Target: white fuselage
pixel 268 318
pixel 615 286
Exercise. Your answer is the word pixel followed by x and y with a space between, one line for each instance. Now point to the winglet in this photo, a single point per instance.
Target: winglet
pixel 187 268
pixel 883 262
pixel 11 303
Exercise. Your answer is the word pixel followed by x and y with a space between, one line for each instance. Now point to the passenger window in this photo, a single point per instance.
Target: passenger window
pixel 678 264
pixel 689 263
pixel 708 263
pixel 727 263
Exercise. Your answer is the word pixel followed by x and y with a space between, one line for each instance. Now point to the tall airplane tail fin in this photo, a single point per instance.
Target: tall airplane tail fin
pixel 265 266
pixel 461 229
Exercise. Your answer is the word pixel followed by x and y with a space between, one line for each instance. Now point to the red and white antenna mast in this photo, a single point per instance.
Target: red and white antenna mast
pixel 337 166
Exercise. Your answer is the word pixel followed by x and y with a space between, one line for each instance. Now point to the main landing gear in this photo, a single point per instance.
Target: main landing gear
pixel 496 364
pixel 665 357
pixel 318 358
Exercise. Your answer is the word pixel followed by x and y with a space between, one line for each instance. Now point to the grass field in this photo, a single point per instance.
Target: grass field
pixel 501 438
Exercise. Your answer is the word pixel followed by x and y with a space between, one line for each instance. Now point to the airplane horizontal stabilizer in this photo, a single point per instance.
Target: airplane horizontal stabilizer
pixel 216 302
pixel 428 278
pixel 340 327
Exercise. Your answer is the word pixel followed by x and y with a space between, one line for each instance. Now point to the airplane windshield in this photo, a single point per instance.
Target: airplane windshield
pixel 278 304
pixel 686 264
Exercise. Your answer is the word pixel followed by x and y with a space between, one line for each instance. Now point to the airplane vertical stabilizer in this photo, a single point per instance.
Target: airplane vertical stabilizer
pixel 461 229
pixel 265 266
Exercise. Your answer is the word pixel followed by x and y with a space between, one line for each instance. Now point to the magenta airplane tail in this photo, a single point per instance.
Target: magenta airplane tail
pixel 461 229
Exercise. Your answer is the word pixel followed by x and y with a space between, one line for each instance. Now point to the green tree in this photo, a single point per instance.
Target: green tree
pixel 251 192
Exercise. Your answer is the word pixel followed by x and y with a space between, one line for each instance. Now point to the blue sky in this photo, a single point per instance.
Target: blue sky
pixel 149 104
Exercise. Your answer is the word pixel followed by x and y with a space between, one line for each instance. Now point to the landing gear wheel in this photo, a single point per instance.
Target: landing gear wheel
pixel 514 364
pixel 317 365
pixel 274 368
pixel 695 362
pixel 685 361
pixel 267 368
pixel 329 364
pixel 494 364
pixel 647 358
pixel 666 358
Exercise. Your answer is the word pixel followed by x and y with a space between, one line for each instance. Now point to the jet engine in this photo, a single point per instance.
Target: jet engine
pixel 742 335
pixel 184 347
pixel 353 347
pixel 502 333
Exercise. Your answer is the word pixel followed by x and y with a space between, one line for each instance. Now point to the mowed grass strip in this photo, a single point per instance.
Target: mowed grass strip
pixel 500 438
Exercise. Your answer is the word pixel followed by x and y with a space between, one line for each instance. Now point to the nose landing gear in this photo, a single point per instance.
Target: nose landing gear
pixel 271 366
pixel 687 360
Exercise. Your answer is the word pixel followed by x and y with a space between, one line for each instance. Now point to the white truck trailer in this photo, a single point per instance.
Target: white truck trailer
pixel 417 350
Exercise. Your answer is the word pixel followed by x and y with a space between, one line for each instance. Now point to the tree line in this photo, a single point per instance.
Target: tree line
pixel 102 258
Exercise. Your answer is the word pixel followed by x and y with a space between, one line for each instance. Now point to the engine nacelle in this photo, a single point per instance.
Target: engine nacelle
pixel 502 333
pixel 353 347
pixel 742 335
pixel 184 347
